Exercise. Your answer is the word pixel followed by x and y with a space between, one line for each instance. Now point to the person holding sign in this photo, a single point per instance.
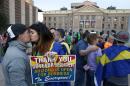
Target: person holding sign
pixel 43 42
pixel 15 63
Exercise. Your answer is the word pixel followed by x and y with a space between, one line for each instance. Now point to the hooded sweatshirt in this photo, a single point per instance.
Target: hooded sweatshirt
pixel 16 66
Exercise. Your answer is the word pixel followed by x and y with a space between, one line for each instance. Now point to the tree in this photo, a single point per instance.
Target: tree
pixel 111 8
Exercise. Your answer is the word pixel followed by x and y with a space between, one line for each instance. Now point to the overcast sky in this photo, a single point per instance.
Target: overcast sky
pixel 46 5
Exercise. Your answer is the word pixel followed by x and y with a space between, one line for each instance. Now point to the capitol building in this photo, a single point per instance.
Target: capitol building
pixel 88 16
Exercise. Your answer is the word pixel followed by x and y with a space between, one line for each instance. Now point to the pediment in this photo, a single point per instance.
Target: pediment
pixel 89 8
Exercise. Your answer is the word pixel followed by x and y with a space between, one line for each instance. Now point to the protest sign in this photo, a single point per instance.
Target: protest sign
pixel 61 68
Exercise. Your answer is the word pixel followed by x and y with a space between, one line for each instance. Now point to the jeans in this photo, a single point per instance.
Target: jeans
pixel 80 76
pixel 90 78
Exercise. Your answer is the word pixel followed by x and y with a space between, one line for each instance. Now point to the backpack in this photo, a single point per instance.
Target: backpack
pixel 66 46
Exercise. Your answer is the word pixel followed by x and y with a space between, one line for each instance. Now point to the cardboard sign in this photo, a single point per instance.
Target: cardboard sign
pixel 61 68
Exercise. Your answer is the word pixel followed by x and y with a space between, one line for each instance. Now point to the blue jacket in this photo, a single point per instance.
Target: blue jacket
pixel 57 47
pixel 115 62
pixel 16 65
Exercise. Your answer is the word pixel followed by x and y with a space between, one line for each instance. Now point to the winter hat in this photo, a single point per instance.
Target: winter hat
pixel 122 36
pixel 15 30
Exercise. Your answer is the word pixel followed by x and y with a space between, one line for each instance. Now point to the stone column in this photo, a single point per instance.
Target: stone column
pixel 30 15
pixel 37 14
pixel 76 23
pixel 22 11
pixel 129 31
pixel 12 11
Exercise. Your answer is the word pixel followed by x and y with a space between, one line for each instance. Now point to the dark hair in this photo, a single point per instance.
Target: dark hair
pixel 75 40
pixel 52 29
pixel 70 33
pixel 6 45
pixel 115 42
pixel 91 38
pixel 45 37
pixel 62 32
pixel 113 31
pixel 85 34
pixel 80 30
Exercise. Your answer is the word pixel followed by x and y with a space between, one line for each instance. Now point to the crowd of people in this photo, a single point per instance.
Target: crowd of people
pixel 101 59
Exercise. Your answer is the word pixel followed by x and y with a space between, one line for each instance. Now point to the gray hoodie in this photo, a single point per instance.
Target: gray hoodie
pixel 16 66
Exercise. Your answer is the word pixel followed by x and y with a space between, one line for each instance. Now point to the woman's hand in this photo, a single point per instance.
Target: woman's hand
pixel 51 54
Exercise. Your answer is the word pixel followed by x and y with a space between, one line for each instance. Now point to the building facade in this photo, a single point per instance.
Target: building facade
pixel 88 16
pixel 19 11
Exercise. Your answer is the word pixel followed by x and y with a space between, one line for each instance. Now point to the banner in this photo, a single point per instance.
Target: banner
pixel 61 68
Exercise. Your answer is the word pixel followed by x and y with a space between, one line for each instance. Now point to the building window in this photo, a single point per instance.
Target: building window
pixel 87 17
pixel 87 24
pixel 115 19
pixel 81 17
pixel 54 24
pixel 44 18
pixel 93 17
pixel 81 24
pixel 49 18
pixel 103 18
pixel 65 27
pixel 92 24
pixel 108 26
pixel 54 18
pixel 102 25
pixel 115 26
pixel 122 18
pixel 109 18
pixel 49 24
pixel 122 26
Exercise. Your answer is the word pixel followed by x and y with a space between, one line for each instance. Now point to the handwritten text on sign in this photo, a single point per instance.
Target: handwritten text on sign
pixel 61 68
